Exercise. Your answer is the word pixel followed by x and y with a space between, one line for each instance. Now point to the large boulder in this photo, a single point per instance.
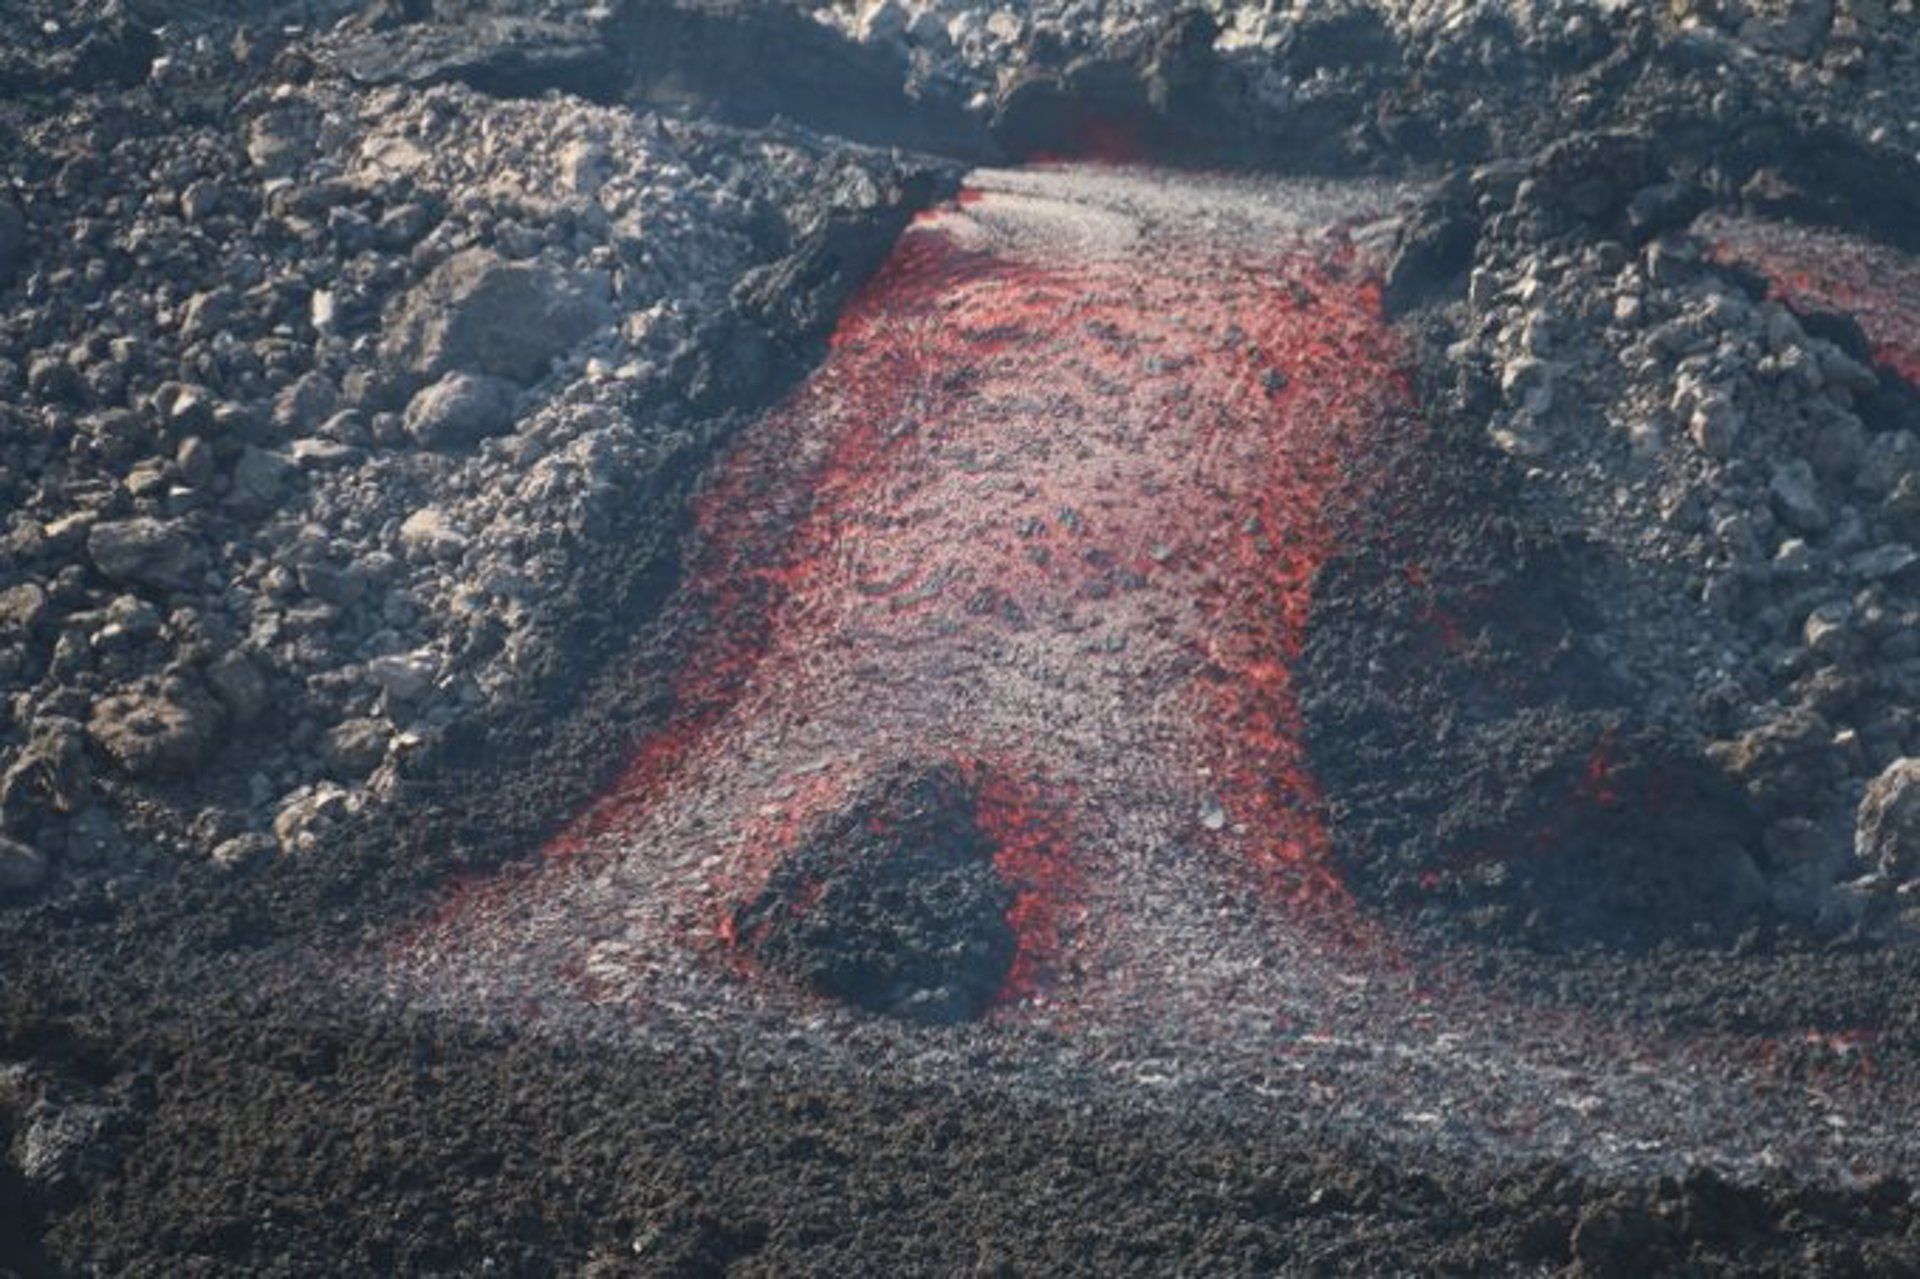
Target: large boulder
pixel 143 552
pixel 155 735
pixel 1887 831
pixel 1781 761
pixel 478 313
pixel 461 409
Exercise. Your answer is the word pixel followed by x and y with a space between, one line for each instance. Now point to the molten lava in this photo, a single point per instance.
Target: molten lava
pixel 1049 514
pixel 985 707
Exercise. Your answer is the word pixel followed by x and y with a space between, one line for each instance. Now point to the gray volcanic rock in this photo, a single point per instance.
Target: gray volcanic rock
pixel 461 409
pixel 510 57
pixel 155 735
pixel 259 479
pixel 143 551
pixel 1797 499
pixel 51 774
pixel 305 816
pixel 478 313
pixel 1888 834
pixel 428 534
pixel 22 607
pixel 354 748
pixel 240 686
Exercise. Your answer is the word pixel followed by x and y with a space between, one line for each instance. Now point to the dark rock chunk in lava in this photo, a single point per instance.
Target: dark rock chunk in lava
pixel 893 904
pixel 1486 768
pixel 1434 249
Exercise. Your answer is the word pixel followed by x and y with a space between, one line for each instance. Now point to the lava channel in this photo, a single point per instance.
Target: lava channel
pixel 1035 546
pixel 985 716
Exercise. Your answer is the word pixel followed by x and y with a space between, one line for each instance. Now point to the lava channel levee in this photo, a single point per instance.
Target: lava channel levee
pixel 988 717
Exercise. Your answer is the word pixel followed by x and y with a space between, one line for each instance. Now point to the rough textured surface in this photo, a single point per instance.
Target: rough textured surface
pixel 280 665
pixel 1888 837
pixel 892 905
pixel 475 313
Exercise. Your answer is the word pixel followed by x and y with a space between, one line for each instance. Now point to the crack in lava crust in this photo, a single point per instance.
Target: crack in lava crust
pixel 1048 518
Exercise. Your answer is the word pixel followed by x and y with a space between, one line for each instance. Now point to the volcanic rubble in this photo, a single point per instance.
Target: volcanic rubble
pixel 360 366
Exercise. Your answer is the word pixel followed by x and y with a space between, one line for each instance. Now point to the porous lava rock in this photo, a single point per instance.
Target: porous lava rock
pixel 460 409
pixel 142 551
pixel 155 734
pixel 892 904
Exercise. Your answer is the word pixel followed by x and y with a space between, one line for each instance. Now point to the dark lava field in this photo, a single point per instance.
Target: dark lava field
pixel 697 637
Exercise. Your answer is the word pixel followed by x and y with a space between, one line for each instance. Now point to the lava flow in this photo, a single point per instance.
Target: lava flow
pixel 1816 270
pixel 986 716
pixel 1046 520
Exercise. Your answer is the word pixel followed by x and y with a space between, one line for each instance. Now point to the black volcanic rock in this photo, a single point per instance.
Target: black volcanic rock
pixel 892 904
pixel 505 57
pixel 13 239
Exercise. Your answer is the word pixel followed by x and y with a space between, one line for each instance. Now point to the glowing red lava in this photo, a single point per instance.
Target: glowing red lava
pixel 1011 471
pixel 1820 270
pixel 1041 537
pixel 1050 512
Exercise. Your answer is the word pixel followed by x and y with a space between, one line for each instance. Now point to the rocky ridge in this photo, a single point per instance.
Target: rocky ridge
pixel 1736 468
pixel 313 409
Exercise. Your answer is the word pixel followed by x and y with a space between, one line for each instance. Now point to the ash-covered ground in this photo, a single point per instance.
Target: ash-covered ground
pixel 677 638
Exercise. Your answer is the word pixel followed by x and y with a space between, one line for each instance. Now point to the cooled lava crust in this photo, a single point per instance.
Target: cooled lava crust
pixel 1832 275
